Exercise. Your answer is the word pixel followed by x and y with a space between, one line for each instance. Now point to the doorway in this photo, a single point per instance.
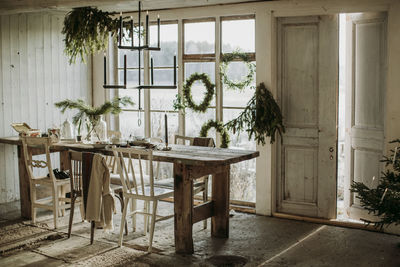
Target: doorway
pixel 333 136
pixel 362 85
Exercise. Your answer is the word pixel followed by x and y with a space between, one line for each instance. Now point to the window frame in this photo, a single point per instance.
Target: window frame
pixel 183 58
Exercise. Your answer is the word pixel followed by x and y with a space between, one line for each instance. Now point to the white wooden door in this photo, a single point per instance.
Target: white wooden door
pixel 365 97
pixel 308 86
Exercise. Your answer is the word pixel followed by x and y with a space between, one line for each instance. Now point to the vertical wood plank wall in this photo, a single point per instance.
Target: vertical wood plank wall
pixel 34 74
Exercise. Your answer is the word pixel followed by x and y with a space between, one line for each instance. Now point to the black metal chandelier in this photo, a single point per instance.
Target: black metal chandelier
pixel 139 47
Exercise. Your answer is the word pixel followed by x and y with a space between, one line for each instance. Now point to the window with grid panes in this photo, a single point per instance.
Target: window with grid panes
pixel 243 174
pixel 199 56
pixel 198 39
pixel 161 100
pixel 131 121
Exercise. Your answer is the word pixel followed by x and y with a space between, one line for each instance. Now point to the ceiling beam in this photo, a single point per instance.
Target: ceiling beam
pixel 23 6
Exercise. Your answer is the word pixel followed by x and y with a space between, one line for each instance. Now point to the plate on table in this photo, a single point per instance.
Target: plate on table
pixel 100 145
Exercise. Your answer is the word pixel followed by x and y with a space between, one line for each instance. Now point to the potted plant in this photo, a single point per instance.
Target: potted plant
pixel 87 31
pixel 92 114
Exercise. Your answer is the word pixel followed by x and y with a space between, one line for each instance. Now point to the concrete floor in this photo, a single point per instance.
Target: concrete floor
pixel 254 241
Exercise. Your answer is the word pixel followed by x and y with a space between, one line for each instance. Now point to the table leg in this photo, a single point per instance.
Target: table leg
pixel 24 186
pixel 220 197
pixel 183 209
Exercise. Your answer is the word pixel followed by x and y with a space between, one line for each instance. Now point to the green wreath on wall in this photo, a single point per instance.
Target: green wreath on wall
pixel 228 58
pixel 208 96
pixel 219 127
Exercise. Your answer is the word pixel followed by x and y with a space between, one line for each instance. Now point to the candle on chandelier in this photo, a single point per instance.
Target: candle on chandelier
pixel 151 71
pixel 174 69
pixel 125 69
pixel 120 29
pixel 147 28
pixel 105 68
pixel 131 31
pixel 158 30
pixel 166 128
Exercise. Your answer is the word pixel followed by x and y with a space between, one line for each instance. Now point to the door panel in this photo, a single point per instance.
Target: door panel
pixel 307 86
pixel 365 87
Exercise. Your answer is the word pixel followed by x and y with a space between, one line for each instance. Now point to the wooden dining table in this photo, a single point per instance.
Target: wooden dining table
pixel 190 163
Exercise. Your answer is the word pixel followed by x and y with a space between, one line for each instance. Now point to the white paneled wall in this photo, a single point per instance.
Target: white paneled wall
pixel 34 74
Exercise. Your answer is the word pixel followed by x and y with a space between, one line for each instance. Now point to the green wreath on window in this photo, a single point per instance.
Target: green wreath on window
pixel 187 100
pixel 219 127
pixel 229 57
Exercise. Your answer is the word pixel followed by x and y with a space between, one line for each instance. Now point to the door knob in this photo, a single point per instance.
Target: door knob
pixel 331 149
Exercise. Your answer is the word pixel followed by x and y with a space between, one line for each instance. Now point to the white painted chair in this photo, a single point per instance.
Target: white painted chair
pixel 135 189
pixel 200 184
pixel 56 202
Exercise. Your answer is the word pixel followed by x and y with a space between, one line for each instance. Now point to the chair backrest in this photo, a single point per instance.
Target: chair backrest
pixel 75 172
pixel 203 141
pixel 183 140
pixel 115 133
pixel 127 166
pixel 40 144
pixel 194 141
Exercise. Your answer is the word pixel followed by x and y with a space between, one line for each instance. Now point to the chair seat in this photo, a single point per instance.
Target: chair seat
pixel 47 180
pixel 169 183
pixel 159 193
pixel 116 180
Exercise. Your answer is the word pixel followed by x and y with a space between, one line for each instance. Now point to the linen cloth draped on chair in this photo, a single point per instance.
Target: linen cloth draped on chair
pixel 56 202
pixel 76 173
pixel 100 202
pixel 135 189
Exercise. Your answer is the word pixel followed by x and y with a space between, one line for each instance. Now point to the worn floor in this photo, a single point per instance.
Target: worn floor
pixel 254 240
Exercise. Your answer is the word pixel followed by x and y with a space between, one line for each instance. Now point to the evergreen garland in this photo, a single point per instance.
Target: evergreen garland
pixel 187 100
pixel 219 127
pixel 383 201
pixel 262 117
pixel 229 57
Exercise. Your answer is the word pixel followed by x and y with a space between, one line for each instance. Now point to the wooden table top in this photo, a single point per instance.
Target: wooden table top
pixel 190 155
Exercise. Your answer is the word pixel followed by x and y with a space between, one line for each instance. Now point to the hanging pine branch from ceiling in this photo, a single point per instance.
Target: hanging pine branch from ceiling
pixel 86 32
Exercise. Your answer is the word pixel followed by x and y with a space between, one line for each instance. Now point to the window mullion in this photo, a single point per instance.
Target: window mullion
pixel 181 73
pixel 146 74
pixel 218 85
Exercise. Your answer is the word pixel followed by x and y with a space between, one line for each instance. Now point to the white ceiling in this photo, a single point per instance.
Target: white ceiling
pixel 21 6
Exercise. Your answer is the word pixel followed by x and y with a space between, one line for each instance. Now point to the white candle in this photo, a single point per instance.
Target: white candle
pixel 166 129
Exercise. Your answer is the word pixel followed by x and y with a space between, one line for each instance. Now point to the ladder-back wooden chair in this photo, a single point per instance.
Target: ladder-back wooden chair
pixel 57 201
pixel 135 189
pixel 200 184
pixel 76 159
pixel 75 172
